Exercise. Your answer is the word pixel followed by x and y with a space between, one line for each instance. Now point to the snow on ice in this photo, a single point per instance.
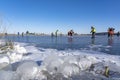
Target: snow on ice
pixel 32 63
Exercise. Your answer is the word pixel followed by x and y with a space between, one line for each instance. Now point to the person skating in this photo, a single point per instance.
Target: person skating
pixel 110 32
pixel 70 33
pixel 93 31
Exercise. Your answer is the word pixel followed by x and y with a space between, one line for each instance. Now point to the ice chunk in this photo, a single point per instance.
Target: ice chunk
pixel 42 75
pixel 14 57
pixel 99 68
pixel 52 63
pixel 27 70
pixel 84 63
pixel 53 66
pixel 19 49
pixel 4 61
pixel 69 69
pixel 4 58
pixel 92 59
pixel 8 75
pixel 3 65
pixel 71 59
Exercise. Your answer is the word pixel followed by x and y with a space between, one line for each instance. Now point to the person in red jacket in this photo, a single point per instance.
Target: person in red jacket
pixel 110 32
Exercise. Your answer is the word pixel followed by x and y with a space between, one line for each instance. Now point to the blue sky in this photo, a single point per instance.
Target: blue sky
pixel 49 15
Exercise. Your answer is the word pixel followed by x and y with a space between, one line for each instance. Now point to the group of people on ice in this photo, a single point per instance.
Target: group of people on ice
pixel 110 32
pixel 93 32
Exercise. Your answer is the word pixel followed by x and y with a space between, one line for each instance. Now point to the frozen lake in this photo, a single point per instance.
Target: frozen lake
pixel 100 43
